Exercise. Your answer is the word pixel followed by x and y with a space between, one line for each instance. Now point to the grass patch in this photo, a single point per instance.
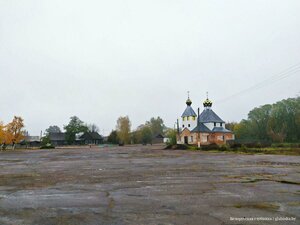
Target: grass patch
pixel 265 151
pixel 33 180
pixel 241 150
pixel 294 204
pixel 288 182
pixel 18 176
pixel 11 160
pixel 260 177
pixel 263 205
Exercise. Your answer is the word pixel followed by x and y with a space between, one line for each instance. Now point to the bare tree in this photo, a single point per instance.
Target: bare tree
pixel 93 128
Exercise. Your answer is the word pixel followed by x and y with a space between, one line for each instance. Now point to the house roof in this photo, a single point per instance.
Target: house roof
pixel 208 115
pixel 91 136
pixel 205 129
pixel 158 136
pixel 32 138
pixel 188 112
pixel 221 130
pixel 201 128
pixel 57 136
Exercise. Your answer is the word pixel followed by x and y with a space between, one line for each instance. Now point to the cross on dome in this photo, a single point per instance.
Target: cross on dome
pixel 188 101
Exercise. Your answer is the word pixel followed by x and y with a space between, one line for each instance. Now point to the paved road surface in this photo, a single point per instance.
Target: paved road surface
pixel 146 185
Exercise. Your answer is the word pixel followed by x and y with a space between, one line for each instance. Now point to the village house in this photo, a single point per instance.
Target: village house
pixel 158 139
pixel 91 138
pixel 59 139
pixel 207 128
pixel 31 141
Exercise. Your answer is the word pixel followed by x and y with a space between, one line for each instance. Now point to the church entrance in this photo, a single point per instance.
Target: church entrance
pixel 186 140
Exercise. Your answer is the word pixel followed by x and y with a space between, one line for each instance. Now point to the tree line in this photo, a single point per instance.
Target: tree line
pixel 143 134
pixel 13 132
pixel 74 127
pixel 279 122
pixel 122 134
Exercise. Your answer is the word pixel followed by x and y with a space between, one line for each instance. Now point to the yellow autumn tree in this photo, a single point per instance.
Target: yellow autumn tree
pixel 123 129
pixel 2 133
pixel 14 131
pixel 11 133
pixel 5 137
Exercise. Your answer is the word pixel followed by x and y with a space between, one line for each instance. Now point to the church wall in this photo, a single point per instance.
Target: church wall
pixel 205 138
pixel 221 138
pixel 192 138
pixel 191 121
pixel 229 136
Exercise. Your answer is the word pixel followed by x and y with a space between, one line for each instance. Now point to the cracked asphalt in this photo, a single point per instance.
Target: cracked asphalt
pixel 146 185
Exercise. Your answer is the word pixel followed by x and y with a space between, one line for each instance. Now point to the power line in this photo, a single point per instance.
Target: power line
pixel 277 77
pixel 258 86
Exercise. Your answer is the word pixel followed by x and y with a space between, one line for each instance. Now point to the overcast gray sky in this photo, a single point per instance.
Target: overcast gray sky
pixel 103 59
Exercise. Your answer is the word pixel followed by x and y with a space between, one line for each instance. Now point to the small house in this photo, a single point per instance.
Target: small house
pixel 32 141
pixel 58 139
pixel 91 138
pixel 158 139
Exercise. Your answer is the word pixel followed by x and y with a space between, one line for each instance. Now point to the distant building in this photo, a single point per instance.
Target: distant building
pixel 58 139
pixel 91 138
pixel 206 129
pixel 32 141
pixel 158 139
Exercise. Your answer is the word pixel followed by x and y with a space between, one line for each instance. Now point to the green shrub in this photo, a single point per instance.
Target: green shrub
pixel 224 147
pixel 210 147
pixel 172 137
pixel 235 145
pixel 243 147
pixel 177 147
pixel 47 146
pixel 193 147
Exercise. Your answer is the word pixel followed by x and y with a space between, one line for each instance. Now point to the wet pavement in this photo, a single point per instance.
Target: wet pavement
pixel 147 185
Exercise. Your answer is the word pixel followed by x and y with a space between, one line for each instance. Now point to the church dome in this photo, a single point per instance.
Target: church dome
pixel 188 102
pixel 207 103
pixel 189 110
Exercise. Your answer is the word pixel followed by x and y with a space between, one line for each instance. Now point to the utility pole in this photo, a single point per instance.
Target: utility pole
pixel 198 128
pixel 178 130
